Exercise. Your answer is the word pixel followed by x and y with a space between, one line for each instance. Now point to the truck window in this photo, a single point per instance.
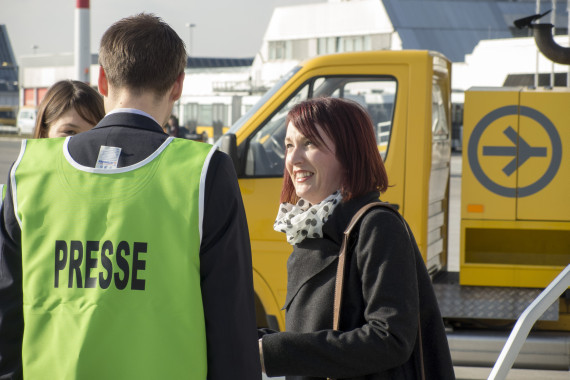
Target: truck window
pixel 264 99
pixel 266 152
pixel 377 97
pixel 440 129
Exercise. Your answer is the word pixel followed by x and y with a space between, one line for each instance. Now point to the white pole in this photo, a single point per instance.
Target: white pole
pixel 190 39
pixel 537 53
pixel 525 322
pixel 82 41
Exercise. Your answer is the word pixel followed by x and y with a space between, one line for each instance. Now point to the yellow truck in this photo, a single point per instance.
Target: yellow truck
pixel 511 246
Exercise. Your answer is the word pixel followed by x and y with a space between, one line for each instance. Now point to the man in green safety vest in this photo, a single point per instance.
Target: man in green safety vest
pixel 125 252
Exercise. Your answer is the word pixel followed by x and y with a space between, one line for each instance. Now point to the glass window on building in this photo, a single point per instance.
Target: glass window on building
pixel 299 49
pixel 205 115
pixel 339 45
pixel 330 45
pixel 359 43
pixel 322 46
pixel 367 43
pixel 327 45
pixel 348 43
pixel 280 50
pixel 379 41
pixel 190 116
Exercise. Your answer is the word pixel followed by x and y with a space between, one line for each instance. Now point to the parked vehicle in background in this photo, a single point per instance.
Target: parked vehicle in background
pixel 185 133
pixel 457 103
pixel 26 121
pixel 209 117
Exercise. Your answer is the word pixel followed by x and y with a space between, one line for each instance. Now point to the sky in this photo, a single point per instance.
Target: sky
pixel 223 28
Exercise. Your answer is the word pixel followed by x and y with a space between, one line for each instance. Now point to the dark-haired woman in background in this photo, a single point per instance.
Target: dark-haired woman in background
pixel 69 107
pixel 332 169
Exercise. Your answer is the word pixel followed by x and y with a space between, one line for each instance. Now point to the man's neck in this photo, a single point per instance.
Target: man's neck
pixel 159 108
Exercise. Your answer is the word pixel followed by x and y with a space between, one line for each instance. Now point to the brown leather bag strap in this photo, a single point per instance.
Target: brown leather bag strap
pixel 338 290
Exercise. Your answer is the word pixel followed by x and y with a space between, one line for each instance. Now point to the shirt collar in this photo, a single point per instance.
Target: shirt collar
pixel 132 110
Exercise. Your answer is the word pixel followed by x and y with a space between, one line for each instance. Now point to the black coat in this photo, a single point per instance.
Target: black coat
pixel 386 286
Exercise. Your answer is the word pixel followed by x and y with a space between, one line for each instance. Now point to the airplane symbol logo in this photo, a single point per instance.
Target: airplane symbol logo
pixel 525 151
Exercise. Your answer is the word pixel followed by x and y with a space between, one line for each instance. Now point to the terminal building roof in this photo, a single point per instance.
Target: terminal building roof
pixel 213 62
pixel 455 27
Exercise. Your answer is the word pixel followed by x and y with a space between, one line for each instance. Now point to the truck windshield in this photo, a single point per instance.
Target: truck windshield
pixel 238 124
pixel 265 155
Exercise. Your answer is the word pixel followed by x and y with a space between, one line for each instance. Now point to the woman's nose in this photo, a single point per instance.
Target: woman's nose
pixel 295 155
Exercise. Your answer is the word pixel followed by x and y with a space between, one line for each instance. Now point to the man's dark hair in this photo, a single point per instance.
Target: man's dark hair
pixel 142 52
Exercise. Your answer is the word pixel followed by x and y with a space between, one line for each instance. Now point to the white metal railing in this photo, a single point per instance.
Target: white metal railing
pixel 526 321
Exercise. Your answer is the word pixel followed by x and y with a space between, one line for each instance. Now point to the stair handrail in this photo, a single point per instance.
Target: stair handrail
pixel 525 322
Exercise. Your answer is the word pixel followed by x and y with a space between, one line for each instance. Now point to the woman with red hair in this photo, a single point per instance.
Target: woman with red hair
pixel 389 326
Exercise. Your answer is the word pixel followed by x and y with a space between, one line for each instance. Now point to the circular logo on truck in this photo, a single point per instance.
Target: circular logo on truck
pixel 519 151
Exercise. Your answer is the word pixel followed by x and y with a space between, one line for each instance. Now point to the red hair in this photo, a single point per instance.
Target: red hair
pixel 350 128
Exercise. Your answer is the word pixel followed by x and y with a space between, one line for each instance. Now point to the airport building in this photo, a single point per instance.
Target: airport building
pixel 453 28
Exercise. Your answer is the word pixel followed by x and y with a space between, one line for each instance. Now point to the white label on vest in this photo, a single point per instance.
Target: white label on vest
pixel 108 157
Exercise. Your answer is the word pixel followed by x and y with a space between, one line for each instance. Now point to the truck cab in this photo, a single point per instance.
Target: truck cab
pixel 407 95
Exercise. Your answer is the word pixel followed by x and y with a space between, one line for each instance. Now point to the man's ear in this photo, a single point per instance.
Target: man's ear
pixel 176 91
pixel 102 82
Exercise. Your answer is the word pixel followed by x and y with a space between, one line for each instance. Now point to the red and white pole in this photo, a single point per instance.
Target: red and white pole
pixel 82 41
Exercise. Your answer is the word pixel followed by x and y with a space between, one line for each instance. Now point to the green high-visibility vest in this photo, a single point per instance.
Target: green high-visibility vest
pixel 110 264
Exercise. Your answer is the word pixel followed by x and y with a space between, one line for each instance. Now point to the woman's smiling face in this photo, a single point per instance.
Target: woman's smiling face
pixel 315 171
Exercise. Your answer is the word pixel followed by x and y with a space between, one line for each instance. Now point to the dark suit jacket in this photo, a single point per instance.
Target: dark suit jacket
pixel 386 286
pixel 225 254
